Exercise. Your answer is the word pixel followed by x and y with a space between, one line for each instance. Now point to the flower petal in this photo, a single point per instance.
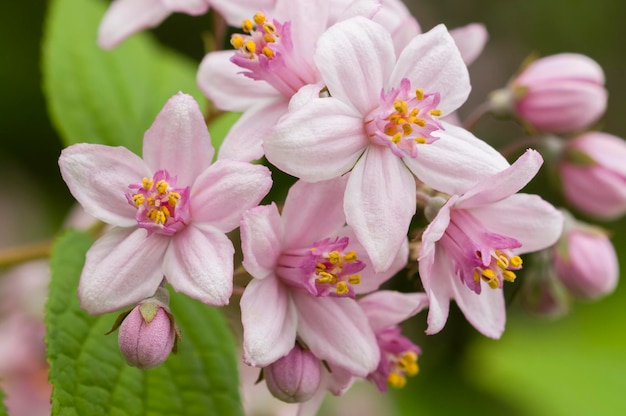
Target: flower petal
pixel 244 140
pixel 337 330
pixel 98 177
pixel 313 211
pixel 504 183
pixel 225 190
pixel 235 11
pixel 455 162
pixel 261 234
pixel 178 140
pixel 355 58
pixel 470 40
pixel 227 87
pixel 125 17
pixel 121 268
pixel 379 204
pixel 192 7
pixel 527 218
pixel 199 263
pixel 436 276
pixel 388 308
pixel 433 62
pixel 320 141
pixel 269 322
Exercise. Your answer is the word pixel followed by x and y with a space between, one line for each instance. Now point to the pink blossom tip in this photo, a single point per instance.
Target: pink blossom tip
pixel 295 377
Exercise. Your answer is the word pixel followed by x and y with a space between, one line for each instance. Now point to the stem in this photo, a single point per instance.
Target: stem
pixel 15 255
pixel 478 113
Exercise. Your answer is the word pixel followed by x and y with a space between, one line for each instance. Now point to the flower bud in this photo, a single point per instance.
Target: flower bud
pixel 147 335
pixel 585 262
pixel 295 377
pixel 593 174
pixel 556 94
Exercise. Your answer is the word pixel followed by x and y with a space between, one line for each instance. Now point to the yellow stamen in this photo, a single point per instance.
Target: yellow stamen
pixel 420 122
pixel 396 138
pixel 420 140
pixel 161 186
pixel 138 199
pixel 268 52
pixel 325 278
pixel 435 112
pixel 419 94
pixel 269 38
pixel 476 276
pixel 237 41
pixel 146 183
pixel 334 257
pixel 515 261
pixel 502 261
pixel 249 47
pixel 508 275
pixel 354 279
pixel 320 267
pixel 407 129
pixel 391 130
pixel 173 198
pixel 247 25
pixel 269 28
pixel 396 380
pixel 259 18
pixel 350 256
pixel 400 106
pixel 342 288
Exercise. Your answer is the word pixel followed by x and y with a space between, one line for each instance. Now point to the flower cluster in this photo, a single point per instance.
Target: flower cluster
pixel 353 100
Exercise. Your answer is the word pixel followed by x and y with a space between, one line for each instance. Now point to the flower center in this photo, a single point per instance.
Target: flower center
pixel 398 359
pixel 501 268
pixel 326 269
pixel 265 49
pixel 160 206
pixel 402 365
pixel 405 119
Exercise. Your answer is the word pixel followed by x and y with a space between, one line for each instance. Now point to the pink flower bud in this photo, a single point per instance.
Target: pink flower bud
pixel 593 174
pixel 295 377
pixel 585 262
pixel 146 336
pixel 559 93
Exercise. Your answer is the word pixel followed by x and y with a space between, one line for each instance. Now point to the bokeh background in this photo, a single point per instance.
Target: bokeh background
pixel 575 365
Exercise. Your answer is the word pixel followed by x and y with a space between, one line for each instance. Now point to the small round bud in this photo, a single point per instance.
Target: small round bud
pixel 295 377
pixel 146 336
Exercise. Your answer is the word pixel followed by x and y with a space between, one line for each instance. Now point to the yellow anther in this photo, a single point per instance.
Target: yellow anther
pixel 237 41
pixel 160 218
pixel 259 18
pixel 412 369
pixel 173 198
pixel 152 214
pixel 354 279
pixel 493 283
pixel 414 112
pixel 502 261
pixel 249 47
pixel 334 257
pixel 150 201
pixel 420 122
pixel 419 94
pixel 162 186
pixel 320 267
pixel 146 183
pixel 407 129
pixel 268 52
pixel 138 199
pixel 436 112
pixel 488 274
pixel 325 278
pixel 269 28
pixel 269 38
pixel 391 129
pixel 420 140
pixel 400 106
pixel 350 256
pixel 516 262
pixel 342 288
pixel 247 25
pixel 394 118
pixel 396 138
pixel 476 276
pixel 508 275
pixel 396 380
pixel 410 356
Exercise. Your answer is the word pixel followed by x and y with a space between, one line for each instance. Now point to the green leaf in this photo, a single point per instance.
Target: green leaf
pixel 3 409
pixel 108 97
pixel 89 375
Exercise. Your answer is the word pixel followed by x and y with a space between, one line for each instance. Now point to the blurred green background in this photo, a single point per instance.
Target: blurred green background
pixel 572 366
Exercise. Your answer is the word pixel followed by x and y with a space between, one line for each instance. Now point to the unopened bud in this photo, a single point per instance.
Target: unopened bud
pixel 147 336
pixel 295 377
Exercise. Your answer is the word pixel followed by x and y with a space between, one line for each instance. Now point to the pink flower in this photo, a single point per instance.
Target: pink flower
pixel 557 94
pixel 585 261
pixel 295 377
pixel 474 243
pixel 385 310
pixel 593 174
pixel 125 17
pixel 169 211
pixel 307 267
pixel 272 61
pixel 381 122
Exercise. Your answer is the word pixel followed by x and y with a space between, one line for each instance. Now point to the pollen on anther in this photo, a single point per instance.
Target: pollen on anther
pixel 259 18
pixel 146 183
pixel 247 25
pixel 435 112
pixel 342 288
pixel 419 94
pixel 249 47
pixel 516 262
pixel 237 41
pixel 138 199
pixel 350 256
pixel 268 52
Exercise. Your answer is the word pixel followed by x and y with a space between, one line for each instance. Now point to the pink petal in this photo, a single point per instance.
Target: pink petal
pixel 455 162
pixel 224 84
pixel 98 177
pixel 225 190
pixel 379 204
pixel 178 140
pixel 235 11
pixel 192 7
pixel 355 58
pixel 387 308
pixel 122 268
pixel 436 276
pixel 504 183
pixel 336 330
pixel 470 40
pixel 313 211
pixel 433 62
pixel 244 140
pixel 261 235
pixel 309 19
pixel 199 263
pixel 269 322
pixel 321 141
pixel 527 218
pixel 125 17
